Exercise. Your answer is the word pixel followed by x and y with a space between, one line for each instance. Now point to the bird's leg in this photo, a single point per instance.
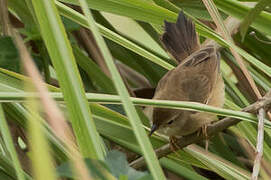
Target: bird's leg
pixel 203 131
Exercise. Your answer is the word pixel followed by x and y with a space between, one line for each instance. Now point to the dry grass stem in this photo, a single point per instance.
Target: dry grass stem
pixel 259 148
pixel 227 36
pixel 54 115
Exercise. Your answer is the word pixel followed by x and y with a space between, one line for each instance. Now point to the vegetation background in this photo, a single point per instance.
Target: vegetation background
pixel 69 68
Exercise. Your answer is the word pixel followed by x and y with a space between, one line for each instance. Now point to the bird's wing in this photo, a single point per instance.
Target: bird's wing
pixel 193 80
pixel 199 74
pixel 197 87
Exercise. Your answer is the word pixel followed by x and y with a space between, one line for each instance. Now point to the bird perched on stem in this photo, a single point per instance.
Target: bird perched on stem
pixel 197 78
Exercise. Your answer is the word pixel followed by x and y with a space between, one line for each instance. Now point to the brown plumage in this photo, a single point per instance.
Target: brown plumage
pixel 197 78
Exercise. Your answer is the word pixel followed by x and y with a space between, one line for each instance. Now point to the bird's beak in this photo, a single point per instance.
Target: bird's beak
pixel 153 128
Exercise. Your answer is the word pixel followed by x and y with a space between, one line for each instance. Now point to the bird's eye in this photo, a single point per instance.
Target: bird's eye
pixel 170 122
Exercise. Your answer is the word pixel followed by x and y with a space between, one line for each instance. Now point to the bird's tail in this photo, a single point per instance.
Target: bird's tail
pixel 180 38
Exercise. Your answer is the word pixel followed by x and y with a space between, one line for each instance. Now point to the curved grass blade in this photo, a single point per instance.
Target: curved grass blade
pixel 80 19
pixel 252 14
pixel 217 164
pixel 238 10
pixel 136 9
pixel 201 28
pixel 9 144
pixel 140 133
pixel 113 99
pixel 60 51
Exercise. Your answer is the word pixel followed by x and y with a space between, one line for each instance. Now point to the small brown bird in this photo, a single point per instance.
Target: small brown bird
pixel 197 78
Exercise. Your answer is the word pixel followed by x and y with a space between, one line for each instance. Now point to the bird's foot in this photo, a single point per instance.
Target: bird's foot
pixel 173 144
pixel 203 131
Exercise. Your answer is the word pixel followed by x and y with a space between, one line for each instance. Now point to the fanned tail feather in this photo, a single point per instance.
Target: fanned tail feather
pixel 180 38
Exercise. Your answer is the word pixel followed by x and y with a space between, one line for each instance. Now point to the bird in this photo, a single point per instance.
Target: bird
pixel 196 78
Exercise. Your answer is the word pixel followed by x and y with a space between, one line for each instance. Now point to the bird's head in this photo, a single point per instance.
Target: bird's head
pixel 163 117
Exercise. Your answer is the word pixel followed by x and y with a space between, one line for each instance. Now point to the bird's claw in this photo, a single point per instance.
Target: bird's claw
pixel 173 144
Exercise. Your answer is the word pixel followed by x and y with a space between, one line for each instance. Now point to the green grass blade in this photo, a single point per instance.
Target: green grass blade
pixel 136 9
pixel 80 19
pixel 9 170
pixel 201 28
pixel 113 99
pixel 94 72
pixel 253 13
pixel 19 115
pixel 60 51
pixel 9 143
pixel 14 80
pixel 238 10
pixel 181 170
pixel 218 165
pixel 140 133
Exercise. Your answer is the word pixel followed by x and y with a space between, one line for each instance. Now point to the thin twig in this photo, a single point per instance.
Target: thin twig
pixel 250 155
pixel 211 130
pixel 259 149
